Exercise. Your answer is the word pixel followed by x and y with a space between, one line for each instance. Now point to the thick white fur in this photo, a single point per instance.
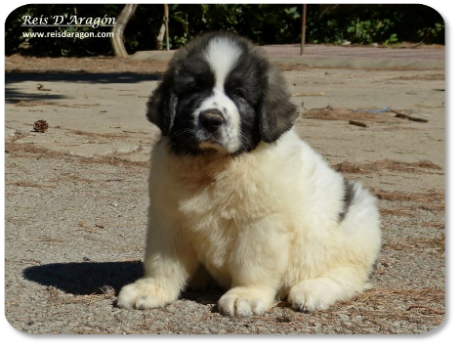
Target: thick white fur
pixel 263 224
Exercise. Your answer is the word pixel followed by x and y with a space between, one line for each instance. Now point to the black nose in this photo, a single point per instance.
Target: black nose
pixel 211 119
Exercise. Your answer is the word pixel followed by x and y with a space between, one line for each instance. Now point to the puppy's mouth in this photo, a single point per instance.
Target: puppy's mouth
pixel 210 125
pixel 209 140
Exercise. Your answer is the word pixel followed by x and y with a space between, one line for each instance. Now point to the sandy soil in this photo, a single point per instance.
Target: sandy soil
pixel 76 196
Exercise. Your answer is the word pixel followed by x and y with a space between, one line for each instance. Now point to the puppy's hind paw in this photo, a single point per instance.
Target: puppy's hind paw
pixel 143 294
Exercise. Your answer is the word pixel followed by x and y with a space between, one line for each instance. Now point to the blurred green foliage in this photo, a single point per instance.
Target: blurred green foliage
pixel 264 24
pixel 366 24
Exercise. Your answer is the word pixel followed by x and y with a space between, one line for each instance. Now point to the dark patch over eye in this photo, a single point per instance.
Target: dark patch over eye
pixel 194 75
pixel 192 84
pixel 203 82
pixel 234 86
pixel 246 80
pixel 239 92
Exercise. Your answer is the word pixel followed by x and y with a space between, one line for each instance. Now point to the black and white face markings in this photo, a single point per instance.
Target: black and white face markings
pixel 213 95
pixel 219 115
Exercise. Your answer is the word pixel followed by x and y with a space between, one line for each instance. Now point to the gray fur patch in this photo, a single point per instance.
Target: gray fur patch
pixel 349 195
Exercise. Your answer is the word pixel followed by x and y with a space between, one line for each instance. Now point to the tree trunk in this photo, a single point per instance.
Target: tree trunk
pixel 117 30
pixel 163 30
pixel 167 25
pixel 161 35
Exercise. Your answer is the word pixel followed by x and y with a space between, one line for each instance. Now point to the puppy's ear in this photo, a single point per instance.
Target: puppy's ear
pixel 161 107
pixel 276 114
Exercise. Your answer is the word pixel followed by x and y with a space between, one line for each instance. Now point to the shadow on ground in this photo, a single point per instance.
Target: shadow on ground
pixel 86 278
pixel 98 78
pixel 13 95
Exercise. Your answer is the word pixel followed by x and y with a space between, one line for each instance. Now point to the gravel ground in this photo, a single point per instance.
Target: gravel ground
pixel 76 197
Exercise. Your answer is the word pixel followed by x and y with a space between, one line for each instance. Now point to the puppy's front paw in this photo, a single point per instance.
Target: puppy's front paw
pixel 244 302
pixel 313 295
pixel 145 293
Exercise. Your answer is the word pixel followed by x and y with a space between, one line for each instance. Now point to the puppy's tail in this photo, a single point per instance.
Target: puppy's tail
pixel 361 223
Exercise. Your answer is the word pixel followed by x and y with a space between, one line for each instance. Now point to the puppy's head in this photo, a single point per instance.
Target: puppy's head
pixel 220 94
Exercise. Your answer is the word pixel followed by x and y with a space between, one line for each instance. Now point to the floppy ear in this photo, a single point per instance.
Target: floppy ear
pixel 276 114
pixel 161 107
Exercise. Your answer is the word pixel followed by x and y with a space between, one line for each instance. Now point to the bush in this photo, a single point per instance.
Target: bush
pixel 365 24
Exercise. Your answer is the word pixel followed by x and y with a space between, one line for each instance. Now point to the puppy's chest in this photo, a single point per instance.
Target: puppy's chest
pixel 215 214
pixel 213 243
pixel 228 202
pixel 213 207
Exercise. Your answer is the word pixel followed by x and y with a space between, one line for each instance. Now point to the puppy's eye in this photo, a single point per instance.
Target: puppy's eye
pixel 199 84
pixel 238 92
pixel 193 87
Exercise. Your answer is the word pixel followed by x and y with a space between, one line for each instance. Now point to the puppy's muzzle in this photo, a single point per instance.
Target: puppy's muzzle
pixel 211 120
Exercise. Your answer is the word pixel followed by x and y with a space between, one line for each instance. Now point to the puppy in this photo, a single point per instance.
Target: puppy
pixel 236 196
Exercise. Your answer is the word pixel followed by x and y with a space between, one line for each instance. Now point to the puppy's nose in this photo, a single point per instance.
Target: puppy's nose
pixel 211 119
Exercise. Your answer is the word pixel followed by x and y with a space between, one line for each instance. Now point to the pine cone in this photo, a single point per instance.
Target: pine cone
pixel 41 126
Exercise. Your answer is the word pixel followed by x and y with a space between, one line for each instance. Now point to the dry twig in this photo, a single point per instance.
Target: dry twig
pixel 356 123
pixel 41 88
pixel 400 114
pixel 427 308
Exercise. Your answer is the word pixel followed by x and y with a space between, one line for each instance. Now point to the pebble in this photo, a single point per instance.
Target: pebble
pixel 128 149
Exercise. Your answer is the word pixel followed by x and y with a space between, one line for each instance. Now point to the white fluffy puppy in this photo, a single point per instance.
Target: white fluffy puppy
pixel 237 196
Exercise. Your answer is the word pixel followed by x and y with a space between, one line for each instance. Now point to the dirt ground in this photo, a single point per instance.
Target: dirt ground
pixel 76 197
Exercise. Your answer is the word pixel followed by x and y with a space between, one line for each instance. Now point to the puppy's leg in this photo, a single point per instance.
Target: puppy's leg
pixel 258 260
pixel 168 265
pixel 200 280
pixel 341 283
pixel 358 248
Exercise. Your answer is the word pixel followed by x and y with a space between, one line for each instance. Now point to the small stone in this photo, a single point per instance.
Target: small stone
pixel 128 149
